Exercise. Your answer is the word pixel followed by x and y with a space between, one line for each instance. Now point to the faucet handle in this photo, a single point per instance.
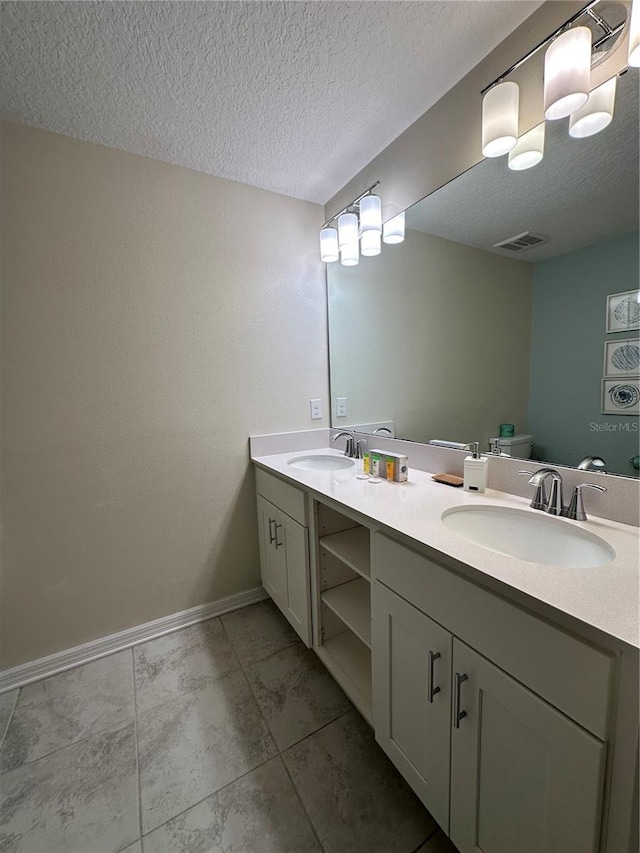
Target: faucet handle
pixel 539 500
pixel 359 454
pixel 575 510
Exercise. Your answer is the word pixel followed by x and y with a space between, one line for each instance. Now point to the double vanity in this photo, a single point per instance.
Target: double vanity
pixel 493 649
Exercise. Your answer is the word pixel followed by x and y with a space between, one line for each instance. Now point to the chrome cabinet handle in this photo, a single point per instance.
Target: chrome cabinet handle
pixel 431 690
pixel 272 536
pixel 457 713
pixel 278 544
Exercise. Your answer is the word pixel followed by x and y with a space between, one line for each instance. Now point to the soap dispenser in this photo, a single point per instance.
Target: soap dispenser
pixel 475 470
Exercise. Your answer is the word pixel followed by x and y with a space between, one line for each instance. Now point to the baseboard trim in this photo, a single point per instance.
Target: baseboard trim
pixel 27 673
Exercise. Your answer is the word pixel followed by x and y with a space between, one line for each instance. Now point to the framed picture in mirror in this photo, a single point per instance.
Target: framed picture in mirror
pixel 623 311
pixel 622 357
pixel 621 396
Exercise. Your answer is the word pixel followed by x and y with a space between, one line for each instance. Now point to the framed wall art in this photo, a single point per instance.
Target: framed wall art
pixel 623 311
pixel 621 396
pixel 622 357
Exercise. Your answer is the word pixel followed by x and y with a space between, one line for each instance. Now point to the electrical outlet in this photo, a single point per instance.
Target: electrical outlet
pixel 316 409
pixel 341 407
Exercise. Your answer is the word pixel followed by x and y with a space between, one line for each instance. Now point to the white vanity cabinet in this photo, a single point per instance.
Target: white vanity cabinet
pixel 284 549
pixel 500 768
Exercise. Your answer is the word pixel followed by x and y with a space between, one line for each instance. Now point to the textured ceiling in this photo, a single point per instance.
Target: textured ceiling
pixel 583 190
pixel 295 97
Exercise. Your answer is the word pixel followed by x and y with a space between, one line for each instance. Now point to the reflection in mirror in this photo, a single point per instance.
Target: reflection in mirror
pixel 447 336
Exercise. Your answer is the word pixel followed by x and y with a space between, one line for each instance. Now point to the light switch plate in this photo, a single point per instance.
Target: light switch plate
pixel 316 409
pixel 341 407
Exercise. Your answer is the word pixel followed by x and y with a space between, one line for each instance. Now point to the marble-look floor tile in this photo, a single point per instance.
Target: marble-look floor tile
pixel 354 796
pixel 259 812
pixel 63 709
pixel 258 631
pixel 438 843
pixel 7 704
pixel 296 694
pixel 82 798
pixel 180 661
pixel 194 744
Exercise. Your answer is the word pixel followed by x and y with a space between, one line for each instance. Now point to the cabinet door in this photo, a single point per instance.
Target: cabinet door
pixel 292 544
pixel 524 777
pixel 412 696
pixel 272 565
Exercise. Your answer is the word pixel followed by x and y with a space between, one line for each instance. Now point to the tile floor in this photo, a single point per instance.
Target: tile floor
pixel 226 737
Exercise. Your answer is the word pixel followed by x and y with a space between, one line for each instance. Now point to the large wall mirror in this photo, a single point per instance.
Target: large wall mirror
pixel 447 336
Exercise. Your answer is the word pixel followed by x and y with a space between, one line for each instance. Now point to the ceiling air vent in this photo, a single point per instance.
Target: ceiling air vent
pixel 526 240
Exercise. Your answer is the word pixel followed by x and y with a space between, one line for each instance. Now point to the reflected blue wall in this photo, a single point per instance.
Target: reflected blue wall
pixel 567 355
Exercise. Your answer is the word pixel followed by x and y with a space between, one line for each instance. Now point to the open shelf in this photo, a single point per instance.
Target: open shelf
pixel 349 660
pixel 352 603
pixel 352 547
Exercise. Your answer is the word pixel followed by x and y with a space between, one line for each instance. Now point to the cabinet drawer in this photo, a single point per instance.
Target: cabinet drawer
pixel 569 673
pixel 285 496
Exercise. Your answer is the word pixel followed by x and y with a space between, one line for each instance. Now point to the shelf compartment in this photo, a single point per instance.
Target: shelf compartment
pixel 351 602
pixel 349 661
pixel 353 547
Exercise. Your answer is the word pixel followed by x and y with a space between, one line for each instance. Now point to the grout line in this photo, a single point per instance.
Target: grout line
pixel 319 729
pixel 135 729
pixel 428 838
pixel 296 642
pixel 304 808
pixel 11 714
pixel 210 794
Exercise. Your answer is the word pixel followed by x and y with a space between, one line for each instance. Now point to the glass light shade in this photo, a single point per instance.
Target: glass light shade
pixel 596 113
pixel 567 73
pixel 350 254
pixel 347 229
pixel 370 243
pixel 500 119
pixel 370 214
pixel 634 35
pixel 529 149
pixel 393 229
pixel 329 245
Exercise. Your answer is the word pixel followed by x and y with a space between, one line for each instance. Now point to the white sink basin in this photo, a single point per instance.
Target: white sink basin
pixel 321 463
pixel 530 536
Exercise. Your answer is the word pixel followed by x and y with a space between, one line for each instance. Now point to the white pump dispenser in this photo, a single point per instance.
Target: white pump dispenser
pixel 475 470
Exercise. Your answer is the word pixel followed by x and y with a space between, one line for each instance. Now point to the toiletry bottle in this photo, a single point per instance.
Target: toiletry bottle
pixel 391 468
pixel 475 470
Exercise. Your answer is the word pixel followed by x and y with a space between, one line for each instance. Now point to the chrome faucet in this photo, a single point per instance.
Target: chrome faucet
pixel 350 448
pixel 359 453
pixel 552 504
pixel 592 463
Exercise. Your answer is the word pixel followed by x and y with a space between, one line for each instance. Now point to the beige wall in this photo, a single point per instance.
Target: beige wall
pixel 416 331
pixel 153 317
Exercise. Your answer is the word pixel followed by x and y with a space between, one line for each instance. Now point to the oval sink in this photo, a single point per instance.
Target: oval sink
pixel 529 536
pixel 321 463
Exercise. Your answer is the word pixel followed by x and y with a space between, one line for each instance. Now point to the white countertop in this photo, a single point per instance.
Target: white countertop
pixel 605 598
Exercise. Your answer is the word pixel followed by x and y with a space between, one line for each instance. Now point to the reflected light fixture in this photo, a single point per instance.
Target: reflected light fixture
pixel 370 243
pixel 634 35
pixel 529 149
pixel 393 229
pixel 500 107
pixel 567 73
pixel 597 113
pixel 329 250
pixel 350 254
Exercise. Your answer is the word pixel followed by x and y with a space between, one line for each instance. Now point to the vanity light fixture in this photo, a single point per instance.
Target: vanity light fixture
pixel 596 114
pixel 500 107
pixel 359 231
pixel 529 149
pixel 567 73
pixel 393 229
pixel 634 35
